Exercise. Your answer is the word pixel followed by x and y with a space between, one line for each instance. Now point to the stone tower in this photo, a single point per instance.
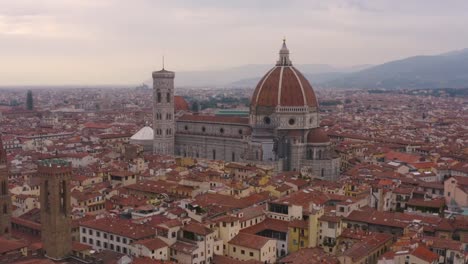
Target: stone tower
pixel 5 200
pixel 55 175
pixel 163 112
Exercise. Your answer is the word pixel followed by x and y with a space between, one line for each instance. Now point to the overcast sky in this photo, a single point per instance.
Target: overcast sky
pixel 122 41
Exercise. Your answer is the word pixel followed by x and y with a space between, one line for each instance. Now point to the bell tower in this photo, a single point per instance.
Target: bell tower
pixel 163 112
pixel 5 200
pixel 55 175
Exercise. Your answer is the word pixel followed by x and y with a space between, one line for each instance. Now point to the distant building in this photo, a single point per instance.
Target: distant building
pixel 5 200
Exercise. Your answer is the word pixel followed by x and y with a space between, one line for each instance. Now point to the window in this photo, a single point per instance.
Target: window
pixel 118 239
pixel 243 252
pixel 214 154
pixel 98 243
pixel 159 97
pixel 251 254
pixel 90 231
pixel 90 241
pixel 291 121
pixel 104 235
pixel 168 97
pixel 221 130
pixel 203 129
pixel 267 120
pixel 186 127
pixel 83 239
pixel 118 248
pixel 240 132
pixel 125 240
pixel 234 249
pixel 98 234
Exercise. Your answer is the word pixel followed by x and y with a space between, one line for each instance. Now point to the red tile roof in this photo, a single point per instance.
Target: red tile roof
pixel 214 119
pixel 425 254
pixel 249 241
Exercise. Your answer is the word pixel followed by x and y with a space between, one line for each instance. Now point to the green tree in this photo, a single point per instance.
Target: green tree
pixel 29 100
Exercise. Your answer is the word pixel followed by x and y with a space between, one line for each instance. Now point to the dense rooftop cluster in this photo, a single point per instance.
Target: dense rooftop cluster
pixel 402 196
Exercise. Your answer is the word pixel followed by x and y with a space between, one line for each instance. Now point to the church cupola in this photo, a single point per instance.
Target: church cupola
pixel 284 56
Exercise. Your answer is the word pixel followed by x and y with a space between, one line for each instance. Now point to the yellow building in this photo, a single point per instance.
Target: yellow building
pixel 298 235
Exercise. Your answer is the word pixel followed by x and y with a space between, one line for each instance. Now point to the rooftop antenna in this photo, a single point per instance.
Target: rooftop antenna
pixel 163 62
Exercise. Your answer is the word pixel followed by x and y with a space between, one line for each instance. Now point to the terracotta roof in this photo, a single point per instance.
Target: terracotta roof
pixel 180 103
pixel 218 259
pixel 197 229
pixel 267 224
pixel 121 227
pixel 425 254
pixel 184 247
pixel 309 255
pixel 249 241
pixel 214 119
pixel 152 243
pixel 10 245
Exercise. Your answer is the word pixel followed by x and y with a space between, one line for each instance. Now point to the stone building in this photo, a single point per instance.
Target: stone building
pixel 282 128
pixel 55 178
pixel 5 200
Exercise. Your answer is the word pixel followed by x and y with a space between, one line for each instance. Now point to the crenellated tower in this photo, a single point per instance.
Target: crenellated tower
pixel 55 175
pixel 163 112
pixel 5 200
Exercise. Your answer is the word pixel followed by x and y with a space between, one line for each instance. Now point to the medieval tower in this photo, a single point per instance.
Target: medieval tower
pixel 55 178
pixel 163 112
pixel 5 200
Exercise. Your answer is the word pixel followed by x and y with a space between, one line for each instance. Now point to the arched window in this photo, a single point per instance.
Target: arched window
pixel 233 156
pixel 309 154
pixel 159 97
pixel 168 97
pixel 214 154
pixel 322 172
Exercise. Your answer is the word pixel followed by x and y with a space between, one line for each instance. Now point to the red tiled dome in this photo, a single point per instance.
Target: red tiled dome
pixel 284 85
pixel 317 135
pixel 180 104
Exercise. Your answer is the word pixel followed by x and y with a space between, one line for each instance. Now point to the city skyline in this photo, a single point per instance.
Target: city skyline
pixel 119 42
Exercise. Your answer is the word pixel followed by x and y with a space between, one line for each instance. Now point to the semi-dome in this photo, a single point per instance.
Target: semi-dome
pixel 317 135
pixel 146 133
pixel 284 85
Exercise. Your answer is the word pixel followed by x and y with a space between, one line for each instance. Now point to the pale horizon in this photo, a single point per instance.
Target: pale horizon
pixel 85 42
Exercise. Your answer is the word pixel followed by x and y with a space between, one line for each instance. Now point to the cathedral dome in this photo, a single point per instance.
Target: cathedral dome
pixel 284 85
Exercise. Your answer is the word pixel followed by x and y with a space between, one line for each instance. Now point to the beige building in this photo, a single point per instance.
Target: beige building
pixel 252 247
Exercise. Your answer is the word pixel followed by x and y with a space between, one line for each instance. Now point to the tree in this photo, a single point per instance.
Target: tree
pixel 29 100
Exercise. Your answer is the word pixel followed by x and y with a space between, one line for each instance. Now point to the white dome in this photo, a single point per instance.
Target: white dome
pixel 146 133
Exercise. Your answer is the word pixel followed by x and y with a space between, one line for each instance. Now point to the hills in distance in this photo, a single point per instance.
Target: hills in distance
pixel 447 70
